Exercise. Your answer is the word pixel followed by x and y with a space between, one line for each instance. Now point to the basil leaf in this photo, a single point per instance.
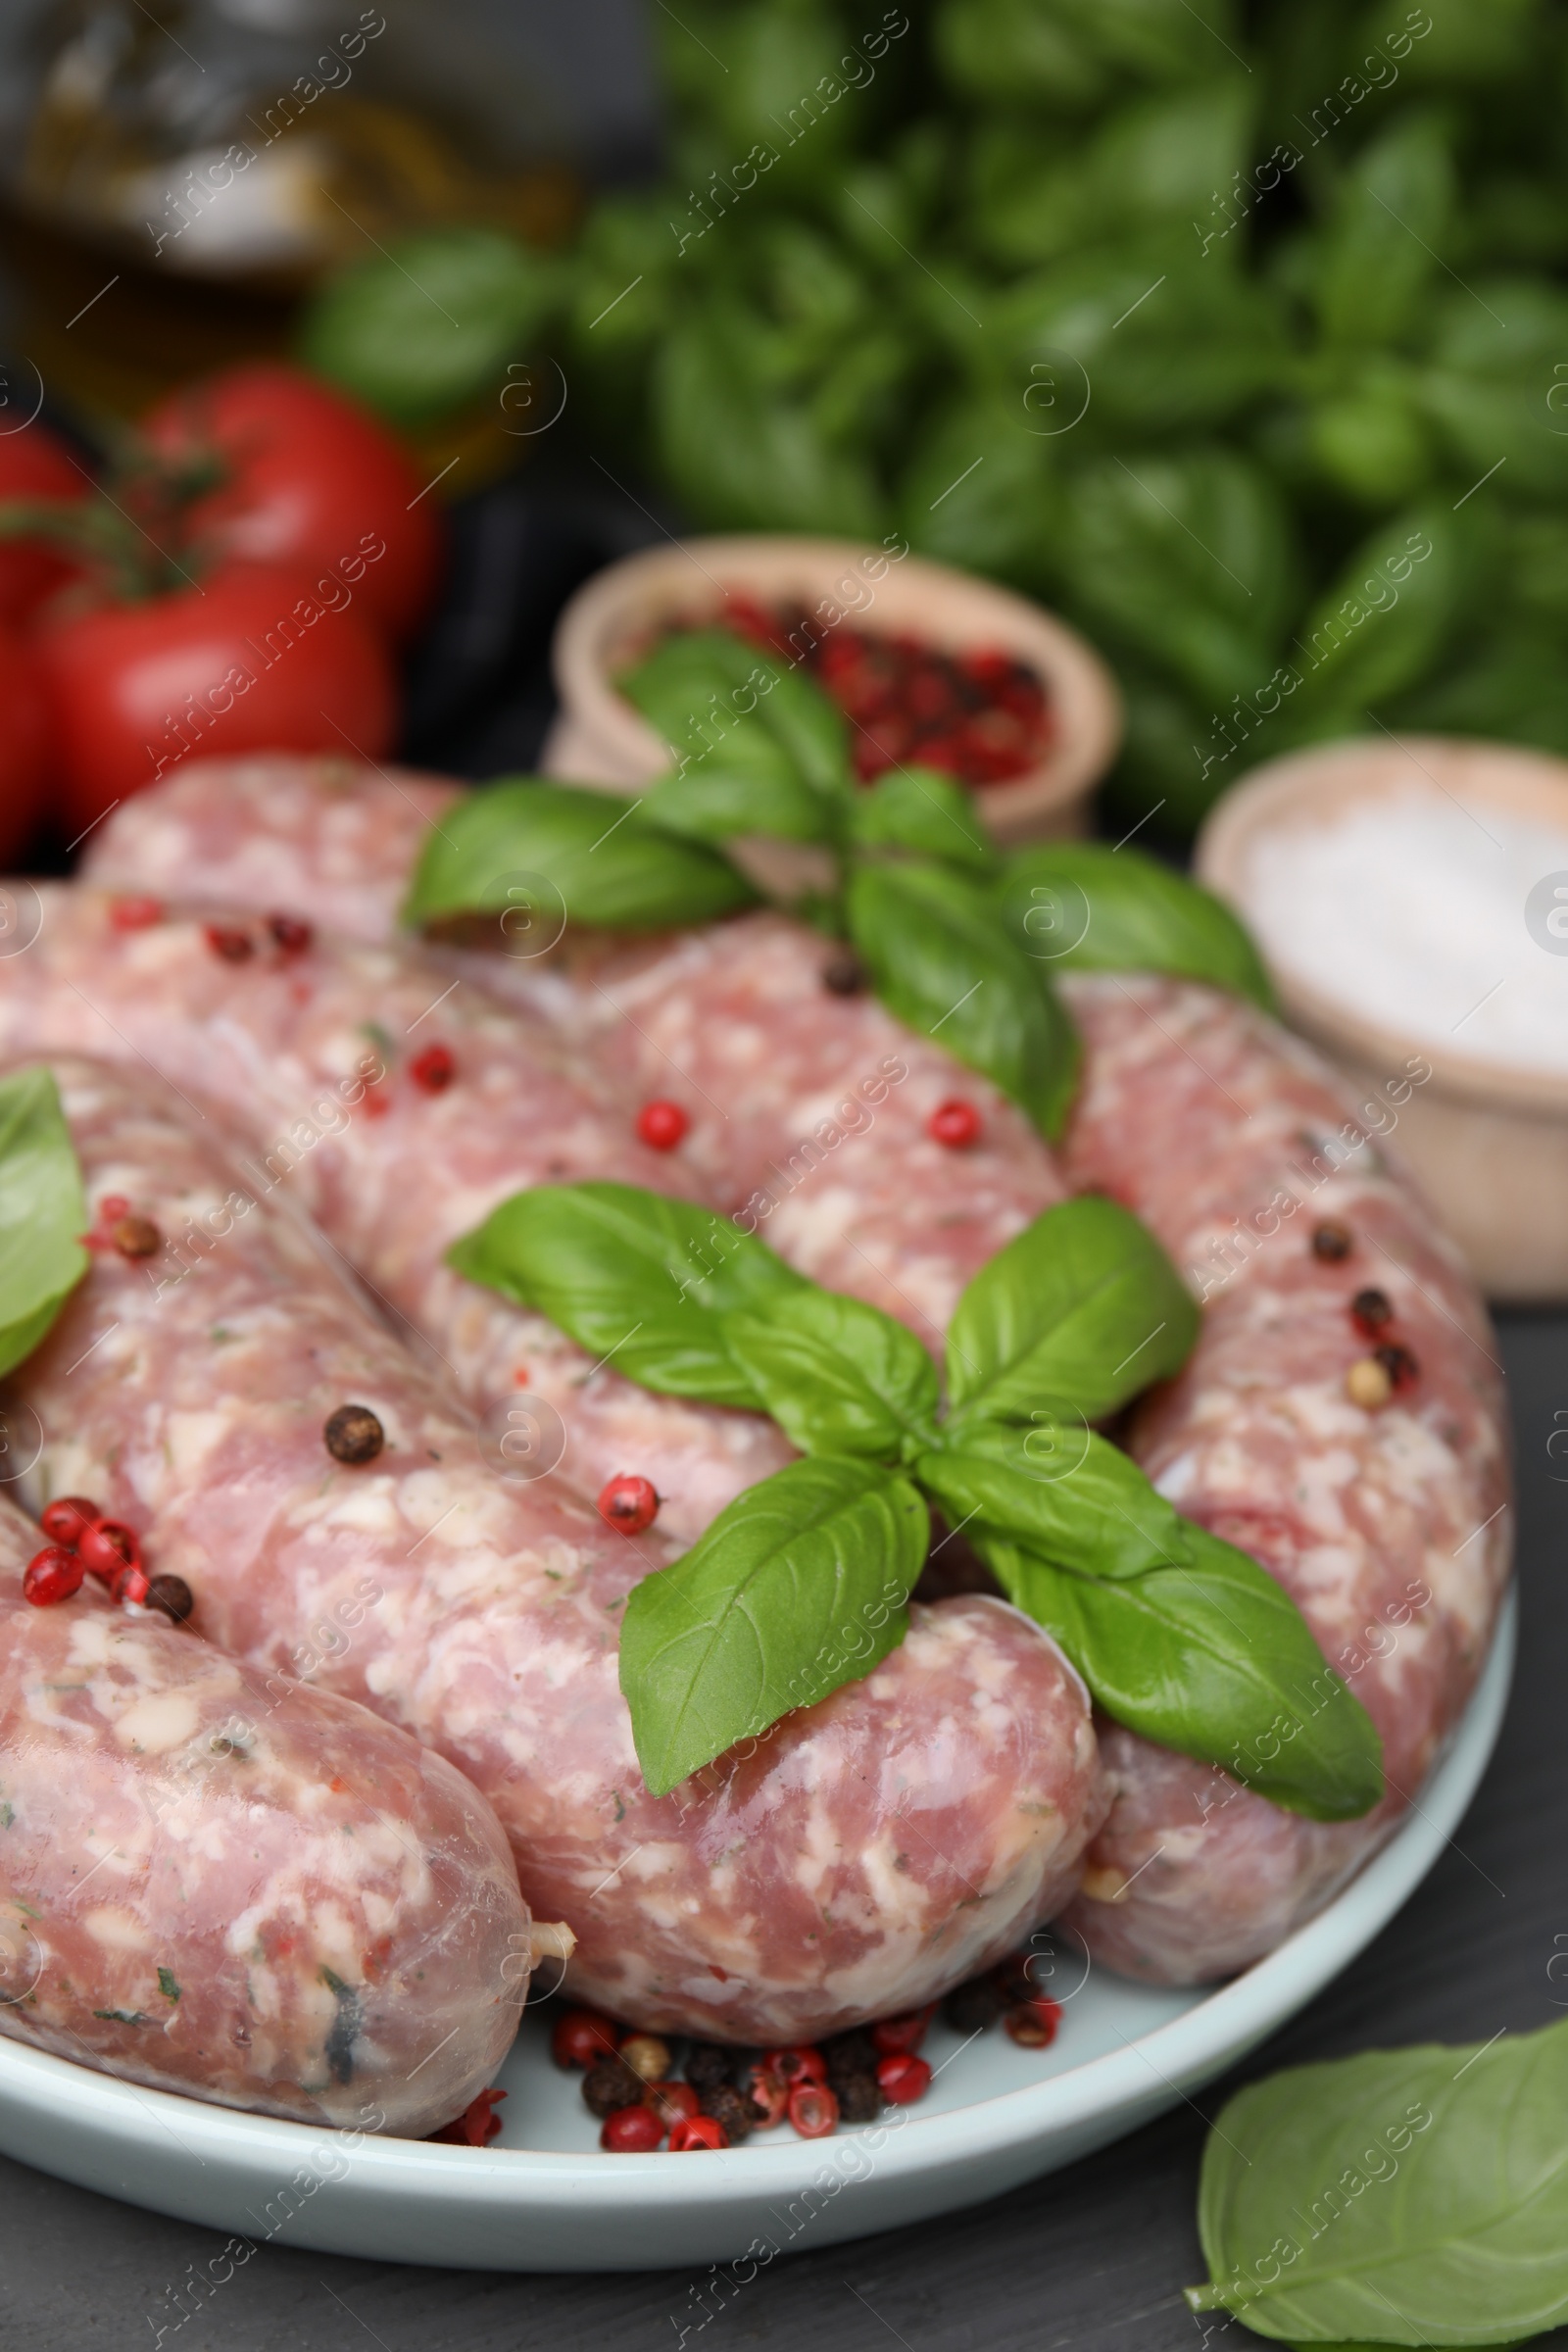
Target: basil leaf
pixel 598 855
pixel 798 1587
pixel 1077 1314
pixel 1414 2196
pixel 633 1277
pixel 1178 1634
pixel 918 808
pixel 724 703
pixel 702 804
pixel 838 1376
pixel 942 963
pixel 1079 904
pixel 44 1212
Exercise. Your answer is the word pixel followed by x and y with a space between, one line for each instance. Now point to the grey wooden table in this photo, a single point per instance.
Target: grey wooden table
pixel 1095 2258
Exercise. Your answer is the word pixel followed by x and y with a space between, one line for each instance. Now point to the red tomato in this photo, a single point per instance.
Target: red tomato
pixel 24 745
pixel 250 660
pixel 312 478
pixel 34 463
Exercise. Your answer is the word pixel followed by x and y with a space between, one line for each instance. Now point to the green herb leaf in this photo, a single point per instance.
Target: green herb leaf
pixel 1178 1634
pixel 940 962
pixel 537 854
pixel 1078 904
pixel 1076 1315
pixel 918 808
pixel 798 1587
pixel 729 709
pixel 42 1214
pixel 1414 2196
pixel 634 1278
pixel 168 1984
pixel 837 1376
pixel 431 324
pixel 715 805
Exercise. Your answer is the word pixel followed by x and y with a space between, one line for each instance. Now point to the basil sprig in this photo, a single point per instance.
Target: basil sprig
pixel 961 945
pixel 1176 1633
pixel 594 853
pixel 43 1214
pixel 1415 2196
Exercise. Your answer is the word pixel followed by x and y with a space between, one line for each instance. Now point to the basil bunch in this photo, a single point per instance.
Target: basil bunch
pixel 801 1584
pixel 1414 2196
pixel 957 942
pixel 42 1214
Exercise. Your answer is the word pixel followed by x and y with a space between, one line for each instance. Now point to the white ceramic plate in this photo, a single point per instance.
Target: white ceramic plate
pixel 543 2197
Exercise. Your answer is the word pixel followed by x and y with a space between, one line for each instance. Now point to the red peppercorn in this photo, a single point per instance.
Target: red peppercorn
pixel 106 1546
pixel 697 2131
pixel 674 2101
pixel 433 1069
pixel 628 1505
pixel 955 1123
pixel 902 2078
pixel 293 938
pixel 662 1125
pixel 135 914
pixel 768 2092
pixel 52 1575
pixel 130 1583
pixel 581 2037
pixel 1033 2024
pixel 476 2126
pixel 232 945
pixel 814 2108
pixel 907 2033
pixel 803 2061
pixel 633 2132
pixel 68 1519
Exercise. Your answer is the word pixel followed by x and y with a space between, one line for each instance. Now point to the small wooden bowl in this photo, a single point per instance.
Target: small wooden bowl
pixel 599 737
pixel 1488 1142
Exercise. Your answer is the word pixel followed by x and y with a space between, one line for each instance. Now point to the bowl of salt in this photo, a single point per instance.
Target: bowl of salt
pixel 1410 898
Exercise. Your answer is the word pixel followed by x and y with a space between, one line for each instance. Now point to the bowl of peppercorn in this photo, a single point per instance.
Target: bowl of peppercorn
pixel 931 667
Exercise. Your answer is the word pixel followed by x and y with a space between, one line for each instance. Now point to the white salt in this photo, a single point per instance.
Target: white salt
pixel 1412 911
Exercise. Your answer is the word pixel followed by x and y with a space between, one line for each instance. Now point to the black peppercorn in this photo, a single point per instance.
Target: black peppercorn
pixel 1370 1310
pixel 729 2107
pixel 859 2099
pixel 708 2064
pixel 970 2008
pixel 848 2054
pixel 844 975
pixel 1397 1362
pixel 610 2084
pixel 352 1434
pixel 1332 1241
pixel 172 1596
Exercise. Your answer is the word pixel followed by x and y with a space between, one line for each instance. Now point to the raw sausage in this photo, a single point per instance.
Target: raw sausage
pixel 215 1881
pixel 857 1859
pixel 1232 1141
